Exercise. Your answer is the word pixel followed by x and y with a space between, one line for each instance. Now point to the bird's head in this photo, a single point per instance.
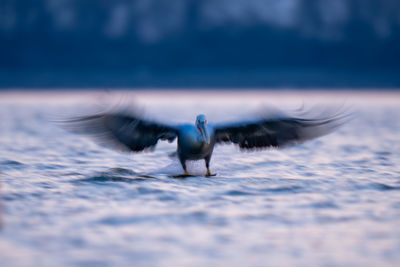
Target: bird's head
pixel 201 124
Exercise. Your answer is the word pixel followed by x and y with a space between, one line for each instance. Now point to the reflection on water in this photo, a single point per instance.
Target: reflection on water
pixel 331 201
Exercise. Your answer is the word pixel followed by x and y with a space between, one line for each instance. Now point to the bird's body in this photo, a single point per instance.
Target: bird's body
pixel 192 146
pixel 197 142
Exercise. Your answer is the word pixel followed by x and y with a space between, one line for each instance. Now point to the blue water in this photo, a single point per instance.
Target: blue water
pixel 333 201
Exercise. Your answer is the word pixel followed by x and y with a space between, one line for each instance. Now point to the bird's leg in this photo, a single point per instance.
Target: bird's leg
pixel 207 160
pixel 183 163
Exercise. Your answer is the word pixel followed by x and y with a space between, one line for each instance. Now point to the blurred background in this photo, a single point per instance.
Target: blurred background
pixel 200 43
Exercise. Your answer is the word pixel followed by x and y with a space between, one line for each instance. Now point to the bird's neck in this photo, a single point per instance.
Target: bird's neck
pixel 199 130
pixel 200 133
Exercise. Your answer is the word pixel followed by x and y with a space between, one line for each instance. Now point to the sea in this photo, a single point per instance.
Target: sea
pixel 66 200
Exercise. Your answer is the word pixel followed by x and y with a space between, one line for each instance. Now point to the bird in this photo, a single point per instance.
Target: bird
pixel 129 131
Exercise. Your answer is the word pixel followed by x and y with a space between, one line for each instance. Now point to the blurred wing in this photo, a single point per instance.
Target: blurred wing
pixel 123 131
pixel 275 132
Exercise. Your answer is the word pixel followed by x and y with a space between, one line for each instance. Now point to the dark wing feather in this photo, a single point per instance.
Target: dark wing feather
pixel 123 131
pixel 275 132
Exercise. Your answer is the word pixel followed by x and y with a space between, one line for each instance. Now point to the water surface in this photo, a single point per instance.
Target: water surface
pixel 334 201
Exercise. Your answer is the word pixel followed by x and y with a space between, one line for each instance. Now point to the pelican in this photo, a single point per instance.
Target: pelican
pixel 131 132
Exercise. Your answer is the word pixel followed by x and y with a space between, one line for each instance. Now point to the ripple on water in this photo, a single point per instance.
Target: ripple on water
pixel 12 164
pixel 115 175
pixel 284 189
pixel 383 154
pixel 238 193
pixel 324 205
pixel 194 217
pixel 379 186
pixel 108 178
pixel 50 166
pixel 383 187
pixel 149 190
pixel 329 219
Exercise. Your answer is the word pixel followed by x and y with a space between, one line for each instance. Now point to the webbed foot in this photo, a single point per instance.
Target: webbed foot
pixel 209 174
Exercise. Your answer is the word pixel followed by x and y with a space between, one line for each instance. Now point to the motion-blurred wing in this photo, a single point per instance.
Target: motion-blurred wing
pixel 275 132
pixel 123 131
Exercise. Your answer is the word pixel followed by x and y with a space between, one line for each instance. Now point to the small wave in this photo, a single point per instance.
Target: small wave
pixel 121 171
pixel 326 219
pixel 149 190
pixel 72 173
pixel 384 187
pixel 238 193
pixel 376 186
pixel 324 205
pixel 12 164
pixel 121 220
pixel 103 179
pixel 383 153
pixel 116 175
pixel 49 166
pixel 13 196
pixel 194 217
pixel 283 189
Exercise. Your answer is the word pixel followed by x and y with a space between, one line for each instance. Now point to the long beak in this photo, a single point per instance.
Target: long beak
pixel 204 133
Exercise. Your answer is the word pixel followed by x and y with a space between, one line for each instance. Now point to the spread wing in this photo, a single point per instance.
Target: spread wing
pixel 275 132
pixel 122 131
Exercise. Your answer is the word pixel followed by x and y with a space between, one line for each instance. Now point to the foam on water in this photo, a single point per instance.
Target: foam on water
pixel 331 201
